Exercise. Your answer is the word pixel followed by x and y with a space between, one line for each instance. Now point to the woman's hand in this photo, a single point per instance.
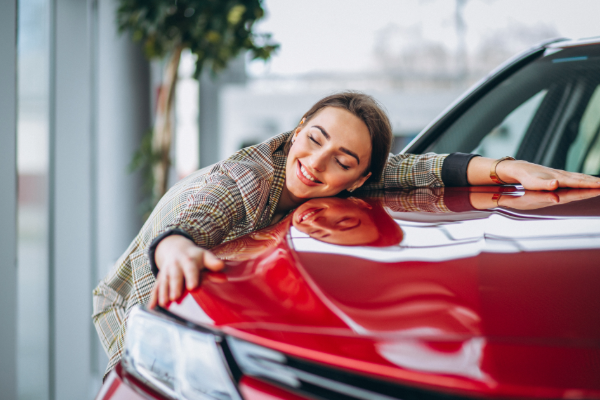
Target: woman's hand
pixel 179 262
pixel 538 177
pixel 531 176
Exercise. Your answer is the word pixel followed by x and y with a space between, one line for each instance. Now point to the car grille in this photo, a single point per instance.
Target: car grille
pixel 315 380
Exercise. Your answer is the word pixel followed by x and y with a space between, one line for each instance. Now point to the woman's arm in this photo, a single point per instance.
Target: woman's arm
pixel 531 176
pixel 409 171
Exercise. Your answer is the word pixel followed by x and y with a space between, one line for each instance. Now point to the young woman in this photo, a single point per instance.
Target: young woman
pixel 341 144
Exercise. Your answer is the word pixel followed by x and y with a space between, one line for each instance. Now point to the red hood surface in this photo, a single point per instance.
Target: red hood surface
pixel 498 302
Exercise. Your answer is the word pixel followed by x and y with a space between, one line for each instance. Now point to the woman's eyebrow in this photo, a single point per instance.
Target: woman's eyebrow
pixel 323 131
pixel 350 153
pixel 343 149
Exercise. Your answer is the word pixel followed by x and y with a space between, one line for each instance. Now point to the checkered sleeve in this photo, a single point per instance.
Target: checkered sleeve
pixel 204 207
pixel 110 303
pixel 411 170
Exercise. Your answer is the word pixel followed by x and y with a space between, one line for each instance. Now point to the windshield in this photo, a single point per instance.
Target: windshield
pixel 548 113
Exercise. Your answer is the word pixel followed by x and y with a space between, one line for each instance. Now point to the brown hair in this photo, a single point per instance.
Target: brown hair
pixel 372 114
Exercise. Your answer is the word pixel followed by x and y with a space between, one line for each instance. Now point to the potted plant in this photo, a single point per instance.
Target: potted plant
pixel 215 31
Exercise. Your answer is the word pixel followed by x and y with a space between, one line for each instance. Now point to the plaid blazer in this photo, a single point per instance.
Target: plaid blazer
pixel 236 196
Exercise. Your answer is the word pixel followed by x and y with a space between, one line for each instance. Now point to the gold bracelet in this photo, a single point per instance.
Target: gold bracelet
pixel 496 198
pixel 493 175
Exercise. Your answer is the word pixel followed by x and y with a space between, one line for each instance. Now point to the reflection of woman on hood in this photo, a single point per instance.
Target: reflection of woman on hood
pixel 350 221
pixel 343 221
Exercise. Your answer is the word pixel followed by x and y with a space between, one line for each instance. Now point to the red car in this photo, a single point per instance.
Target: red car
pixel 418 294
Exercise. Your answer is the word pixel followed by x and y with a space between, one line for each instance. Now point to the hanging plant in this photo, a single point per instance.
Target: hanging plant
pixel 215 31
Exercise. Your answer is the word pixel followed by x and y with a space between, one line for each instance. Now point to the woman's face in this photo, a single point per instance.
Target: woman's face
pixel 330 154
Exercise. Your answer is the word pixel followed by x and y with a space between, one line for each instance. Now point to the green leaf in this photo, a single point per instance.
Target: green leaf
pixel 235 14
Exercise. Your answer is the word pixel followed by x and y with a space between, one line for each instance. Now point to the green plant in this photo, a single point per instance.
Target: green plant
pixel 215 31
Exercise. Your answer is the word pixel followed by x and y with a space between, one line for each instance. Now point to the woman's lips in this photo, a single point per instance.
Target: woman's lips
pixel 308 213
pixel 304 179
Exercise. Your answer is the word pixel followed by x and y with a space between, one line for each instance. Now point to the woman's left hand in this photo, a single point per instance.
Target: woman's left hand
pixel 531 176
pixel 538 177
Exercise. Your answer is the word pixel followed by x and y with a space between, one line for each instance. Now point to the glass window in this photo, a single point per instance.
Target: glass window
pixel 506 138
pixel 584 153
pixel 548 112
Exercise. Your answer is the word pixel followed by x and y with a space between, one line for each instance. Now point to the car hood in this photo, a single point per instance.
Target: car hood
pixel 499 301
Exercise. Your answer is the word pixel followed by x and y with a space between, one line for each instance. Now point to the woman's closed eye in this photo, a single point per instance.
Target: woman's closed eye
pixel 313 139
pixel 346 167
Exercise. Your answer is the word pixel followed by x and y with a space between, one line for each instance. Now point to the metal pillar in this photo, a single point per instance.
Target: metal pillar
pixel 8 199
pixel 70 201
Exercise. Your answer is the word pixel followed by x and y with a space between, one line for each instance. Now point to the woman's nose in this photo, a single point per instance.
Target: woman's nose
pixel 317 161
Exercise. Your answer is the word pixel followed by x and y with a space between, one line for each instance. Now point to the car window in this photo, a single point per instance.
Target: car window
pixel 548 112
pixel 505 138
pixel 584 153
pixel 591 163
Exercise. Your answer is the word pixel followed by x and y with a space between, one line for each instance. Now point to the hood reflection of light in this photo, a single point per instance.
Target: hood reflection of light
pixel 465 361
pixel 431 240
pixel 496 234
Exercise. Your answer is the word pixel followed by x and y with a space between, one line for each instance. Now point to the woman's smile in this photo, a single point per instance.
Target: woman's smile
pixel 304 216
pixel 305 176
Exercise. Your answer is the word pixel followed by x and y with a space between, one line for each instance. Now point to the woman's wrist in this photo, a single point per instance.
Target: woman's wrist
pixel 169 246
pixel 507 171
pixel 478 171
pixel 151 252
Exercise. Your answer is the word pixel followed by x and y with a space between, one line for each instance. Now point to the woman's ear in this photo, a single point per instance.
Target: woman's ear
pixel 359 182
pixel 299 127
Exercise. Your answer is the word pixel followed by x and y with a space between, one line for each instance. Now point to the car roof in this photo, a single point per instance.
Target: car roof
pixel 565 43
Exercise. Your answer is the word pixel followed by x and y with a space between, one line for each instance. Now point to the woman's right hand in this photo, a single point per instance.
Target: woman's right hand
pixel 179 262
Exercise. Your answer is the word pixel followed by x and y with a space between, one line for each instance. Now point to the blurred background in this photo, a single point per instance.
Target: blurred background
pixel 76 99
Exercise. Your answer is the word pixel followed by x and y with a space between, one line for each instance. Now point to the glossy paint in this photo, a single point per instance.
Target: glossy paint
pixel 255 389
pixel 499 302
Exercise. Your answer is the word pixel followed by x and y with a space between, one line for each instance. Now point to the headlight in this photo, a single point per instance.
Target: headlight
pixel 174 359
